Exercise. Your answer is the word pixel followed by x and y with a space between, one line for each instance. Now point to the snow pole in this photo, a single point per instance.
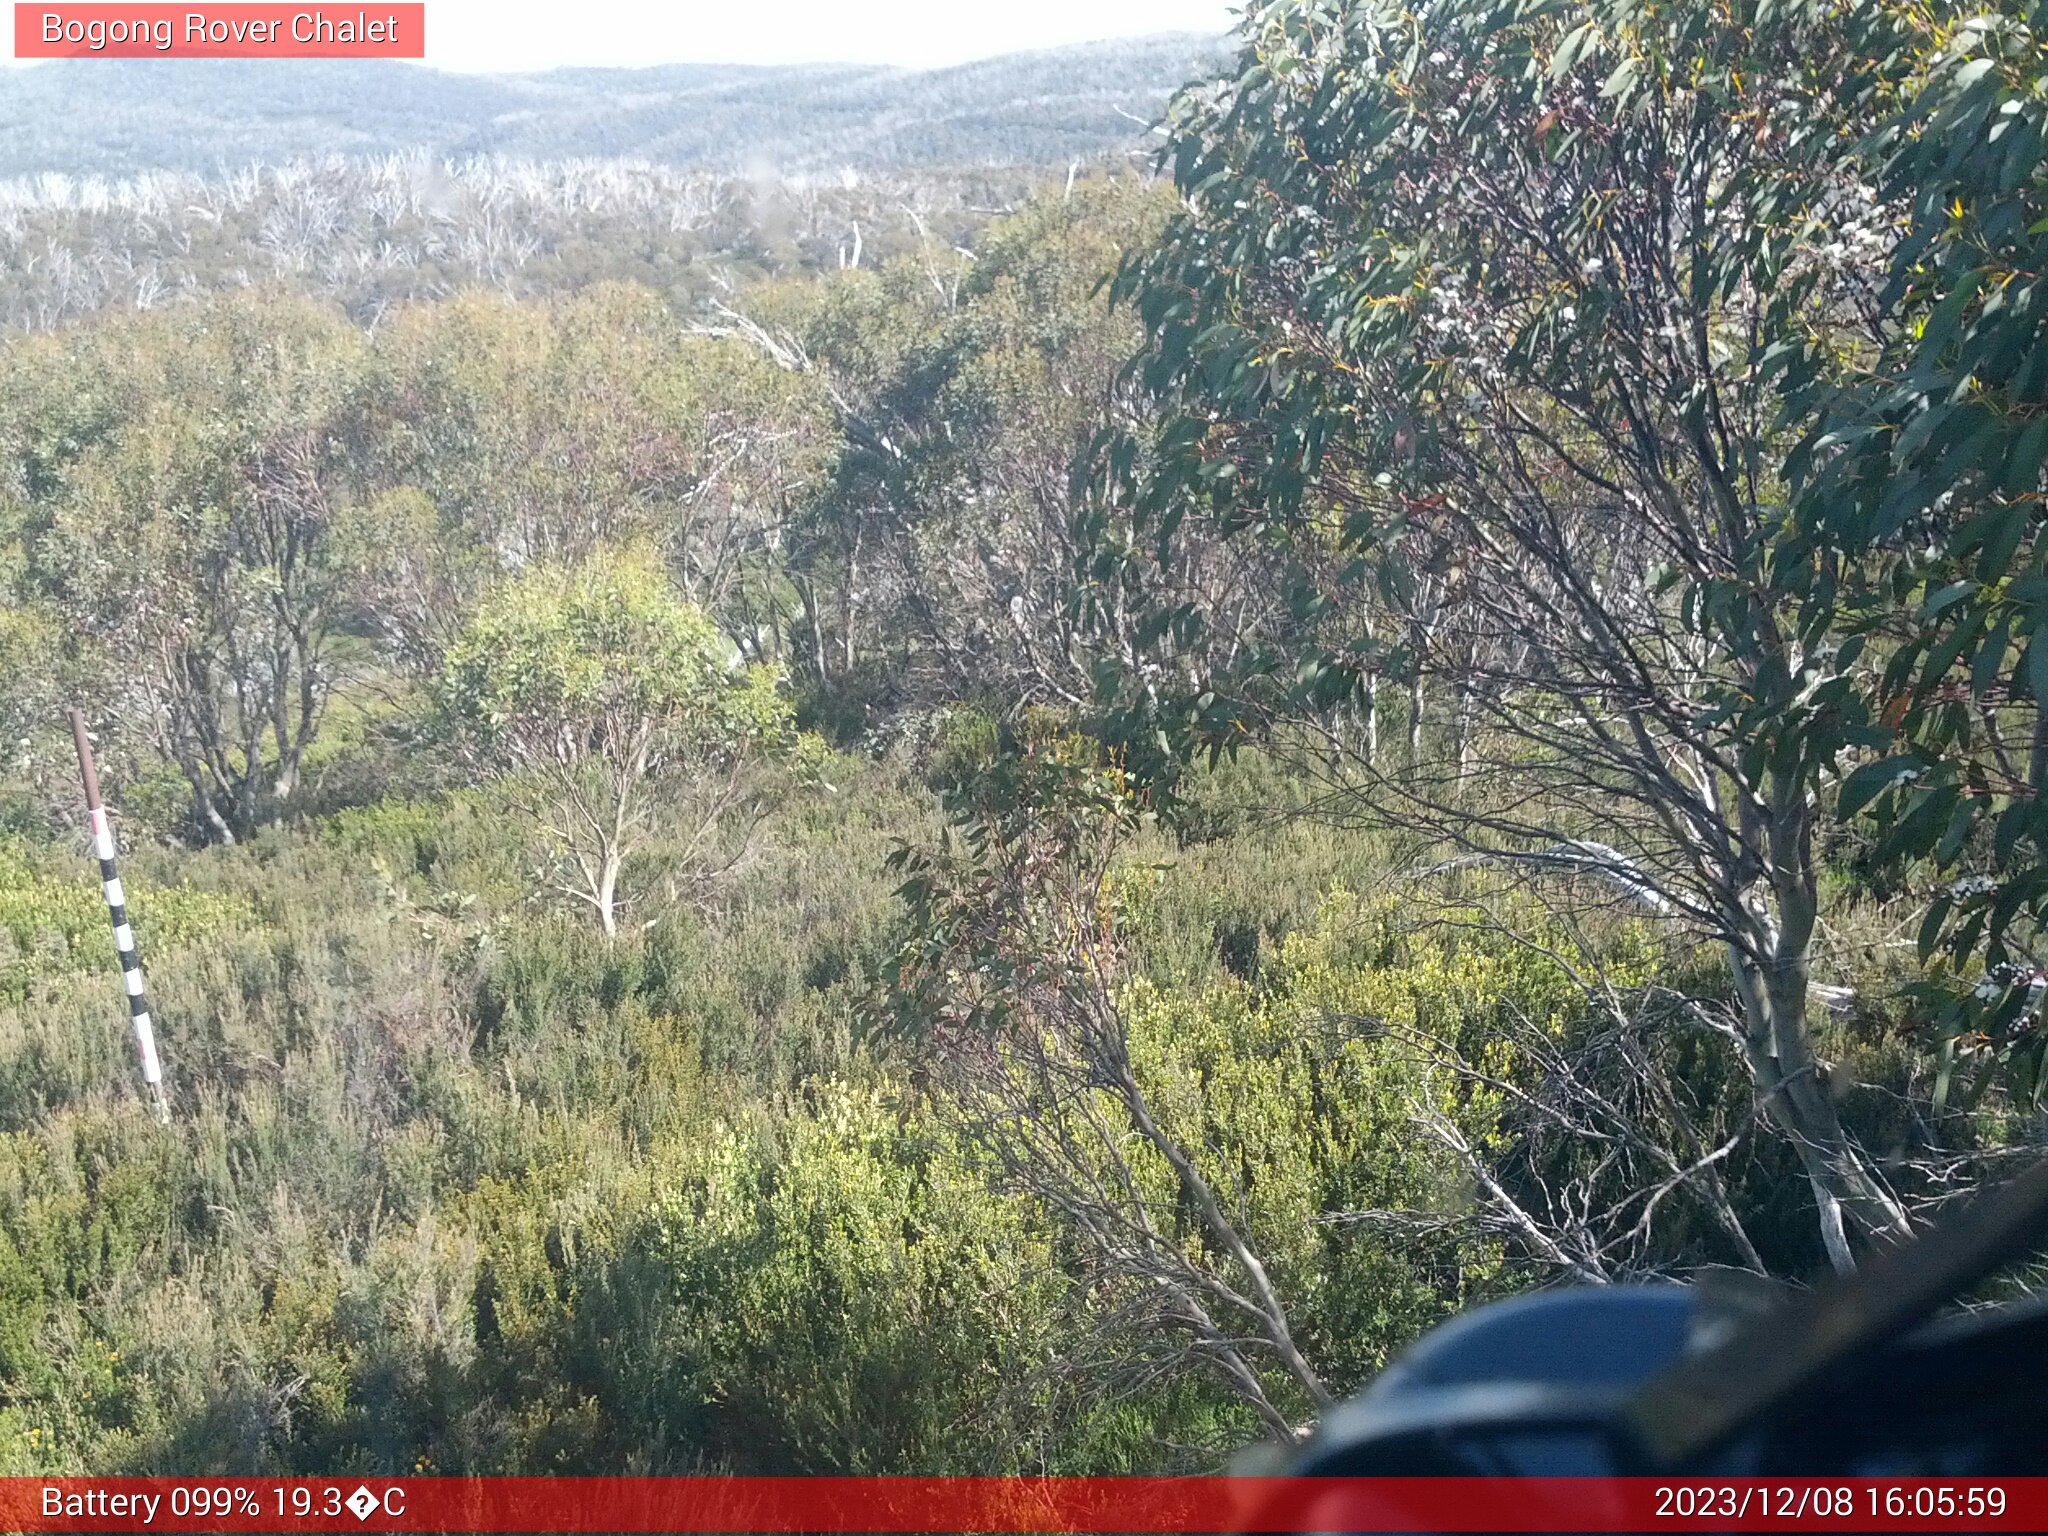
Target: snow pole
pixel 124 936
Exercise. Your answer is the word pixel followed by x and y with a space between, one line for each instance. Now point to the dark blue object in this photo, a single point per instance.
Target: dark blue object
pixel 1527 1387
pixel 1543 1386
pixel 1594 1336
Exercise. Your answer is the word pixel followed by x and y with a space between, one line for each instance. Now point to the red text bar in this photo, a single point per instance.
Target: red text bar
pixel 373 31
pixel 1017 1504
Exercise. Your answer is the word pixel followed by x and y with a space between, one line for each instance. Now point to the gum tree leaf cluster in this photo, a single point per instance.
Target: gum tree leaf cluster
pixel 1921 481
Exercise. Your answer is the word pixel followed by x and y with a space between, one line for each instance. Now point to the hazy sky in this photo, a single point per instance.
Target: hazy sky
pixel 536 34
pixel 542 34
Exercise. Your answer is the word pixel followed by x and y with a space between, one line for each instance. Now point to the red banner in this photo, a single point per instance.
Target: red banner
pixel 1017 1504
pixel 236 31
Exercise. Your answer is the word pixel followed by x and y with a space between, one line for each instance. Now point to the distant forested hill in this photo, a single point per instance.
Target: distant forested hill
pixel 119 117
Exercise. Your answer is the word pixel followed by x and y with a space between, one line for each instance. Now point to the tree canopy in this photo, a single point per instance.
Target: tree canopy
pixel 598 679
pixel 1480 316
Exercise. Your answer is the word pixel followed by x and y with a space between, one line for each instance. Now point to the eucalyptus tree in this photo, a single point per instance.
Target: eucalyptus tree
pixel 979 382
pixel 1471 313
pixel 1929 463
pixel 613 701
pixel 938 563
pixel 505 432
pixel 181 480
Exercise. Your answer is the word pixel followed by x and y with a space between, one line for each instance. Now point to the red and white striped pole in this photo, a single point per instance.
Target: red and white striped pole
pixel 124 936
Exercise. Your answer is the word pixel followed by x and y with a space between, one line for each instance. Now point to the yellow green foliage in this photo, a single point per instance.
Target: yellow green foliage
pixel 51 924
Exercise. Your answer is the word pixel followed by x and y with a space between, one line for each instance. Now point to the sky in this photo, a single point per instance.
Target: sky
pixel 516 35
pixel 539 34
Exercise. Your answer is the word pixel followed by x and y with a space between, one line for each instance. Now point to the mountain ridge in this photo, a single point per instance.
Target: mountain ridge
pixel 116 117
